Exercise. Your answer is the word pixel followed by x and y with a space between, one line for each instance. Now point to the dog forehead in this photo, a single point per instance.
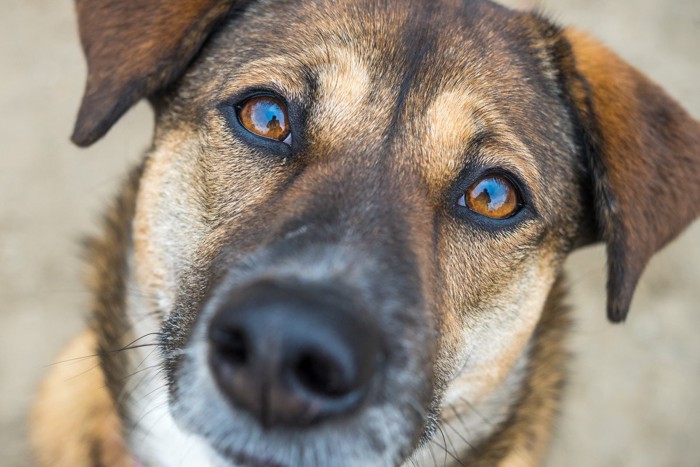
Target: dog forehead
pixel 420 77
pixel 410 45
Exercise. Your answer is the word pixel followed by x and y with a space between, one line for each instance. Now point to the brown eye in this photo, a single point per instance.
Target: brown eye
pixel 492 196
pixel 265 116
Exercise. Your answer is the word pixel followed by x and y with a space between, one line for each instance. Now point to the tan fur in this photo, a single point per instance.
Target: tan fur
pixel 90 431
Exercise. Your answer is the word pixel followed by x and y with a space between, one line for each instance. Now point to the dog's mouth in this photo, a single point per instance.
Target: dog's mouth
pixel 282 371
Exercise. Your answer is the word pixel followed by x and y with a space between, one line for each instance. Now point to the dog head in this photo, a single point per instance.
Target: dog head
pixel 354 211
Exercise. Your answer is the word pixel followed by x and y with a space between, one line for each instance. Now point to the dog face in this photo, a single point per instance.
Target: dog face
pixel 354 212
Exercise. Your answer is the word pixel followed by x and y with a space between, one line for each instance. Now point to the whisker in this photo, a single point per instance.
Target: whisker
pixel 127 392
pixel 135 425
pixel 96 365
pixel 151 367
pixel 476 411
pixel 128 346
pixel 447 451
pixel 144 359
pixel 462 422
pixel 432 453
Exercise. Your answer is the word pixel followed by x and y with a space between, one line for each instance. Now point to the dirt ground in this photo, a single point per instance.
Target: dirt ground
pixel 634 392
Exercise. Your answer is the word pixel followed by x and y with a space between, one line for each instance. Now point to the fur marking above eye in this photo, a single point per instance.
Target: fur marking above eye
pixel 492 196
pixel 265 116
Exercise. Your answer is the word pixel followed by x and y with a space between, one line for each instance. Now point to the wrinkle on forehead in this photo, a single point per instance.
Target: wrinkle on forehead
pixel 457 125
pixel 368 90
pixel 283 74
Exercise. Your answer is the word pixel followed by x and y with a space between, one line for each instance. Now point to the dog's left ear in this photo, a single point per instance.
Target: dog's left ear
pixel 644 160
pixel 133 49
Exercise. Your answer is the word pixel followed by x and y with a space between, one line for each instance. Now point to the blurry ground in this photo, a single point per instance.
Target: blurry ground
pixel 634 397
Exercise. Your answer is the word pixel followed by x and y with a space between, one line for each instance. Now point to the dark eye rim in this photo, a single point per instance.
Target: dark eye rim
pixel 230 107
pixel 525 210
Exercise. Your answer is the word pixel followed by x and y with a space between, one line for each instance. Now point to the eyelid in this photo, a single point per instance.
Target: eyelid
pixel 494 152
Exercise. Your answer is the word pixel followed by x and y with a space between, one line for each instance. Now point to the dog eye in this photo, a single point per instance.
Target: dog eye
pixel 265 116
pixel 493 196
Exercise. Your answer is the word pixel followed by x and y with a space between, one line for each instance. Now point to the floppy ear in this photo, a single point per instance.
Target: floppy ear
pixel 134 48
pixel 644 159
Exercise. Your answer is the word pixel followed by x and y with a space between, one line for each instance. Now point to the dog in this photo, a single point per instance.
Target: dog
pixel 345 245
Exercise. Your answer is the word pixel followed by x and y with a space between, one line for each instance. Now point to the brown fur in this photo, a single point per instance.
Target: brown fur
pixel 649 152
pixel 164 40
pixel 79 374
pixel 391 122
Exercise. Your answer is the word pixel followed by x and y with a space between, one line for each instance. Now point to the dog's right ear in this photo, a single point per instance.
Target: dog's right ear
pixel 643 151
pixel 133 49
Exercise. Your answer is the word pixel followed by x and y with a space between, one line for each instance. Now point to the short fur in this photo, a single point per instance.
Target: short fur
pixel 397 107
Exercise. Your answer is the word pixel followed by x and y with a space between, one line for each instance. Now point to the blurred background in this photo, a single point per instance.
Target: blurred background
pixel 634 392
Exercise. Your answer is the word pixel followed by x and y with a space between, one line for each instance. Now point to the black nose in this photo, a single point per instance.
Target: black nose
pixel 293 355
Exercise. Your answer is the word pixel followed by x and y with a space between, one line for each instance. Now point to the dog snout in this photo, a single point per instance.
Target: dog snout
pixel 292 355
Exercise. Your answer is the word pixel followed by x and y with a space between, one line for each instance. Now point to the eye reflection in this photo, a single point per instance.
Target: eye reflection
pixel 265 116
pixel 492 196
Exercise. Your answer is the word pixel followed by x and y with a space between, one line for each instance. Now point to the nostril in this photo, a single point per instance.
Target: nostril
pixel 321 375
pixel 232 345
pixel 293 356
